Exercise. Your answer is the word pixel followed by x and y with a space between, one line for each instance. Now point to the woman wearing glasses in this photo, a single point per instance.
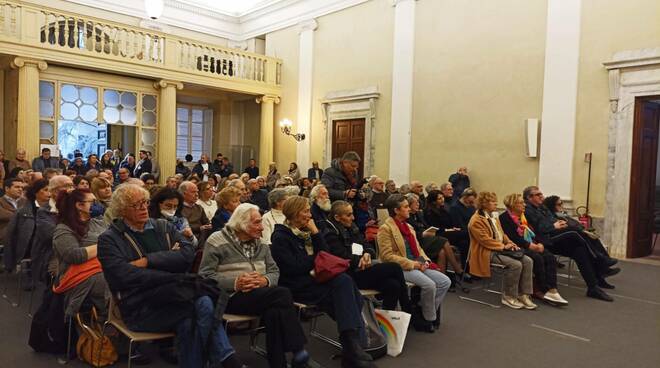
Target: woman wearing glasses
pixel 79 276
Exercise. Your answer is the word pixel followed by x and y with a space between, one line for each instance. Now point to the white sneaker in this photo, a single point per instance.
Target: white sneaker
pixel 512 302
pixel 555 298
pixel 527 302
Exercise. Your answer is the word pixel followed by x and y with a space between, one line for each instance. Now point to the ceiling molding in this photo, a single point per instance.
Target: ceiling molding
pixel 264 18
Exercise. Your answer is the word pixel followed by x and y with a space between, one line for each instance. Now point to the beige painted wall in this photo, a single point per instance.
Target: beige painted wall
pixel 478 76
pixel 284 44
pixel 353 49
pixel 608 26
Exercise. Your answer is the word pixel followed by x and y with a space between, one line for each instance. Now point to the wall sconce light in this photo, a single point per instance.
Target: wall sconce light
pixel 285 126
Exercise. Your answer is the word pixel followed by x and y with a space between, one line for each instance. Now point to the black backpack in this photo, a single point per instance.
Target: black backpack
pixel 376 341
pixel 49 329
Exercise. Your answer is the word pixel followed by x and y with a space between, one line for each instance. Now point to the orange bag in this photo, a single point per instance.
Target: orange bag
pixel 90 342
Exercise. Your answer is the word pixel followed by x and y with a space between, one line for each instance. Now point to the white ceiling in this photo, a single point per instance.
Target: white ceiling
pixel 234 8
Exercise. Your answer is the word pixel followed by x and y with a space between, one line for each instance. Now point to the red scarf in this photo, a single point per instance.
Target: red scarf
pixel 412 242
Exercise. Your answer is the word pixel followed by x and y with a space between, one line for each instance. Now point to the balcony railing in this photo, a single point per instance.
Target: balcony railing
pixel 52 29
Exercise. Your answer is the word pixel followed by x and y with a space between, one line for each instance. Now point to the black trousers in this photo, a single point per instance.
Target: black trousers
pixel 545 269
pixel 388 279
pixel 570 244
pixel 461 241
pixel 275 306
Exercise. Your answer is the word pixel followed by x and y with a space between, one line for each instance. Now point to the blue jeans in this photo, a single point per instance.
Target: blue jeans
pixel 434 285
pixel 208 333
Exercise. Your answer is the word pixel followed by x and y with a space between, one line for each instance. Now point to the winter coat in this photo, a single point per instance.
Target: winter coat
pixel 295 264
pixel 143 166
pixel 340 242
pixel 483 243
pixel 224 260
pixel 42 247
pixel 393 246
pixel 336 182
pixel 130 285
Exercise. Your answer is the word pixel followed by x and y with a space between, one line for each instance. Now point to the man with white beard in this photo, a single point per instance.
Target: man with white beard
pixel 320 199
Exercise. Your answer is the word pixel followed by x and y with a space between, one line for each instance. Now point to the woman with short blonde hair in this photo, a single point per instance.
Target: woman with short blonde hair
pixel 489 244
pixel 515 226
pixel 228 199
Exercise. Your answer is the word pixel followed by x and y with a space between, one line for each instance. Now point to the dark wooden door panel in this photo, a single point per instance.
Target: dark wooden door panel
pixel 348 135
pixel 643 172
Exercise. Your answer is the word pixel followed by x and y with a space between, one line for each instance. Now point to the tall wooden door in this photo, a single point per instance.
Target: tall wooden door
pixel 348 135
pixel 642 183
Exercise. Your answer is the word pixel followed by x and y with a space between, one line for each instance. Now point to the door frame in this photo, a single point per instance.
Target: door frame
pixel 635 171
pixel 346 105
pixel 364 138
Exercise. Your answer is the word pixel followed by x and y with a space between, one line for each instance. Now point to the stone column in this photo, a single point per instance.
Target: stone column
pixel 166 145
pixel 403 52
pixel 266 134
pixel 27 129
pixel 305 77
pixel 560 82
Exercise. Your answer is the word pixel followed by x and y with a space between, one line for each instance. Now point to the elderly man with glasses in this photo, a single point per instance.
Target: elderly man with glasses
pixel 145 262
pixel 562 239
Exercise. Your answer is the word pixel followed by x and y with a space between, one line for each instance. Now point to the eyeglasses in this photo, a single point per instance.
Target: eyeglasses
pixel 167 206
pixel 140 205
pixel 536 194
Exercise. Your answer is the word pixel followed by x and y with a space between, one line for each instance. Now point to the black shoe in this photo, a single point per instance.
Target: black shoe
pixel 611 271
pixel 352 355
pixel 604 284
pixel 609 262
pixel 597 293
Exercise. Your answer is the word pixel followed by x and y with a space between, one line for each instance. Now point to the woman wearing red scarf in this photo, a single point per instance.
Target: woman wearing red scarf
pixel 398 243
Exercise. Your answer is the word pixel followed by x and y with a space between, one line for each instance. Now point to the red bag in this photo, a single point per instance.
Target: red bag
pixel 327 266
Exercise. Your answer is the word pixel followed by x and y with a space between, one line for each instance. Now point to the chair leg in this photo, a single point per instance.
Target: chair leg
pixel 130 351
pixel 98 359
pixel 65 360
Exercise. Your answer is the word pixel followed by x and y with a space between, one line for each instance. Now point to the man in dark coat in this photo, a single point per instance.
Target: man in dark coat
pixel 315 172
pixel 45 161
pixel 143 260
pixel 144 165
pixel 341 178
pixel 10 203
pixel 258 196
pixel 252 169
pixel 459 180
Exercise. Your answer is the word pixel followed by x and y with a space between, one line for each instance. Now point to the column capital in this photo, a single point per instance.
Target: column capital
pixel 164 83
pixel 268 98
pixel 307 25
pixel 19 62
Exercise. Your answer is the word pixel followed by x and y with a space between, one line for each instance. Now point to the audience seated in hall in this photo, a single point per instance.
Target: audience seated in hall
pixel 436 215
pixel 398 243
pixel 143 165
pixel 272 176
pixel 243 266
pixel 447 190
pixel 206 199
pixel 489 244
pixel 294 247
pixel 143 261
pixel 390 187
pixel 315 172
pixel 461 212
pixel 20 160
pixel 45 161
pixel 417 188
pixel 102 190
pixel 11 204
pixel 294 172
pixel 378 195
pixel 252 169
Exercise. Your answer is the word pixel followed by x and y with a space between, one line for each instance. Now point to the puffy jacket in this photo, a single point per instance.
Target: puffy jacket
pixel 336 182
pixel 19 235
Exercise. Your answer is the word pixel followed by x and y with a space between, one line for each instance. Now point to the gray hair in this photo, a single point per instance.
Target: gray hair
pixel 350 156
pixel 410 197
pixel 235 183
pixel 241 216
pixel 444 186
pixel 292 190
pixel 123 196
pixel 315 192
pixel 277 195
pixel 252 181
pixel 405 189
pixel 56 182
pixel 429 187
pixel 184 186
pixel 134 181
pixel 528 191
